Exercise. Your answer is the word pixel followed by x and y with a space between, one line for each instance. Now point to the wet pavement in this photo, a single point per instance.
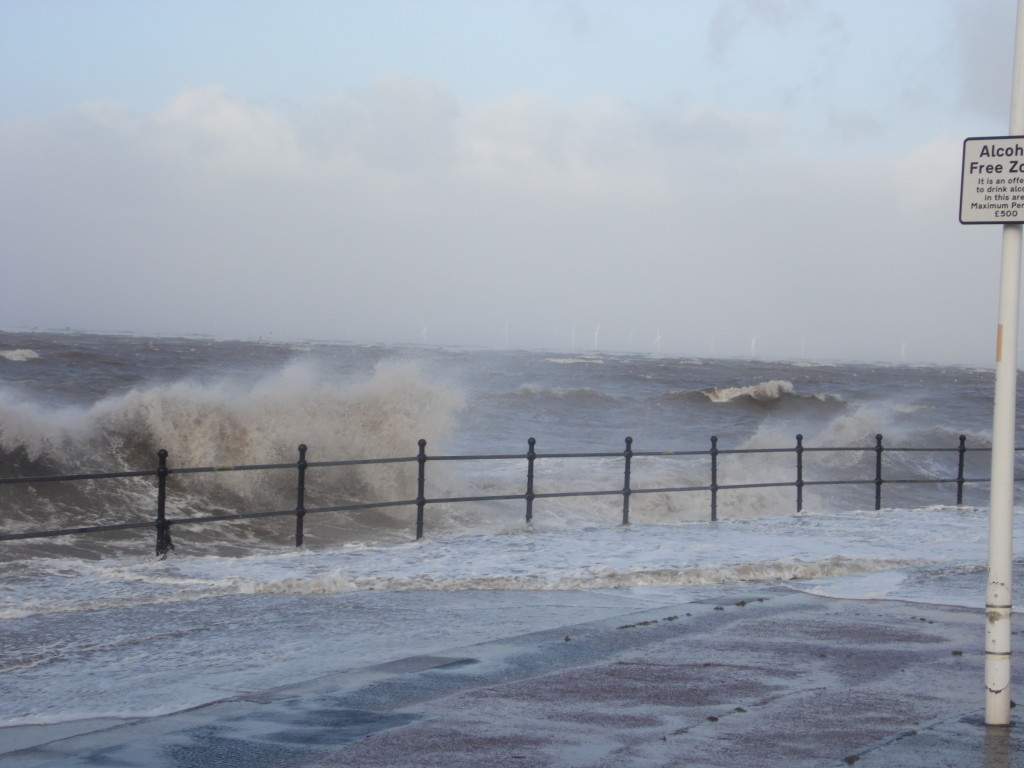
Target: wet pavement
pixel 749 676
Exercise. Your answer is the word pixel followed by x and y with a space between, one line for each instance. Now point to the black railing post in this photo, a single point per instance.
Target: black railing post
pixel 421 484
pixel 714 478
pixel 300 503
pixel 531 457
pixel 799 473
pixel 163 528
pixel 962 450
pixel 628 455
pixel 878 472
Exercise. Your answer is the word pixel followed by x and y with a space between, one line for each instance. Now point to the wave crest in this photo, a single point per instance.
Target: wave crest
pixel 19 355
pixel 766 390
pixel 224 422
pixel 562 393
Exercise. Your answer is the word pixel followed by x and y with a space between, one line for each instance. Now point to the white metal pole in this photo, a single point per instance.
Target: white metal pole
pixel 999 593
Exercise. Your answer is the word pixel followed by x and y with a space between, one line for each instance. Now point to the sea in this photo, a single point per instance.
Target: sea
pixel 95 625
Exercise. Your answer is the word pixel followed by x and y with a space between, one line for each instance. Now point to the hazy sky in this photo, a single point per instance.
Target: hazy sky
pixel 709 176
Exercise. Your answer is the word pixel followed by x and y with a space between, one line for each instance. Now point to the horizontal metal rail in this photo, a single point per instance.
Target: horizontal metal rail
pixel 163 524
pixel 88 476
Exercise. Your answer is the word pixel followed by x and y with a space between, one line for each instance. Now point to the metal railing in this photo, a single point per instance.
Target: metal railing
pixel 162 523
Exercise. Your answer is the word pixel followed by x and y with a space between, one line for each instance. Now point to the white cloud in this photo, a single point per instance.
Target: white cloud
pixel 207 125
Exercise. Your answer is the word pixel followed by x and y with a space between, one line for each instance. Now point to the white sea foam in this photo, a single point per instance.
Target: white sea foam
pixel 92 638
pixel 19 355
pixel 761 549
pixel 575 360
pixel 766 390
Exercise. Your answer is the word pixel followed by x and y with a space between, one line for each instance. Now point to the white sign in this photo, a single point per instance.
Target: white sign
pixel 992 181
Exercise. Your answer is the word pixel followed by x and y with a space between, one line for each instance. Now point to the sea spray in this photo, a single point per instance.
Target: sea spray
pixel 224 421
pixel 94 404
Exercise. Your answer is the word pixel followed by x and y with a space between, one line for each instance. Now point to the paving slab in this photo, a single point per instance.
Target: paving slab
pixel 758 676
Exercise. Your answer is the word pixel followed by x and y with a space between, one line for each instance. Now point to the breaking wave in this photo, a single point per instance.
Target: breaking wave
pixel 766 391
pixel 212 424
pixel 19 355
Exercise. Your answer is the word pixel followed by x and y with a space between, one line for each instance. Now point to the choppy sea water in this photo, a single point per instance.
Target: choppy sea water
pixel 94 625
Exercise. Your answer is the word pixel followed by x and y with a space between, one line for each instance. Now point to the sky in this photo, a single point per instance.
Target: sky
pixel 768 178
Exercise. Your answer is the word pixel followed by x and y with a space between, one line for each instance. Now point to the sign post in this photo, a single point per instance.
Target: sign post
pixel 992 192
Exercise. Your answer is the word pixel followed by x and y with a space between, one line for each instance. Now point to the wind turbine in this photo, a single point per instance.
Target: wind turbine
pixel 657 340
pixel 597 330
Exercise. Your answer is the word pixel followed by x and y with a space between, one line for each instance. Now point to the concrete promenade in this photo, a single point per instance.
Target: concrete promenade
pixel 748 677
